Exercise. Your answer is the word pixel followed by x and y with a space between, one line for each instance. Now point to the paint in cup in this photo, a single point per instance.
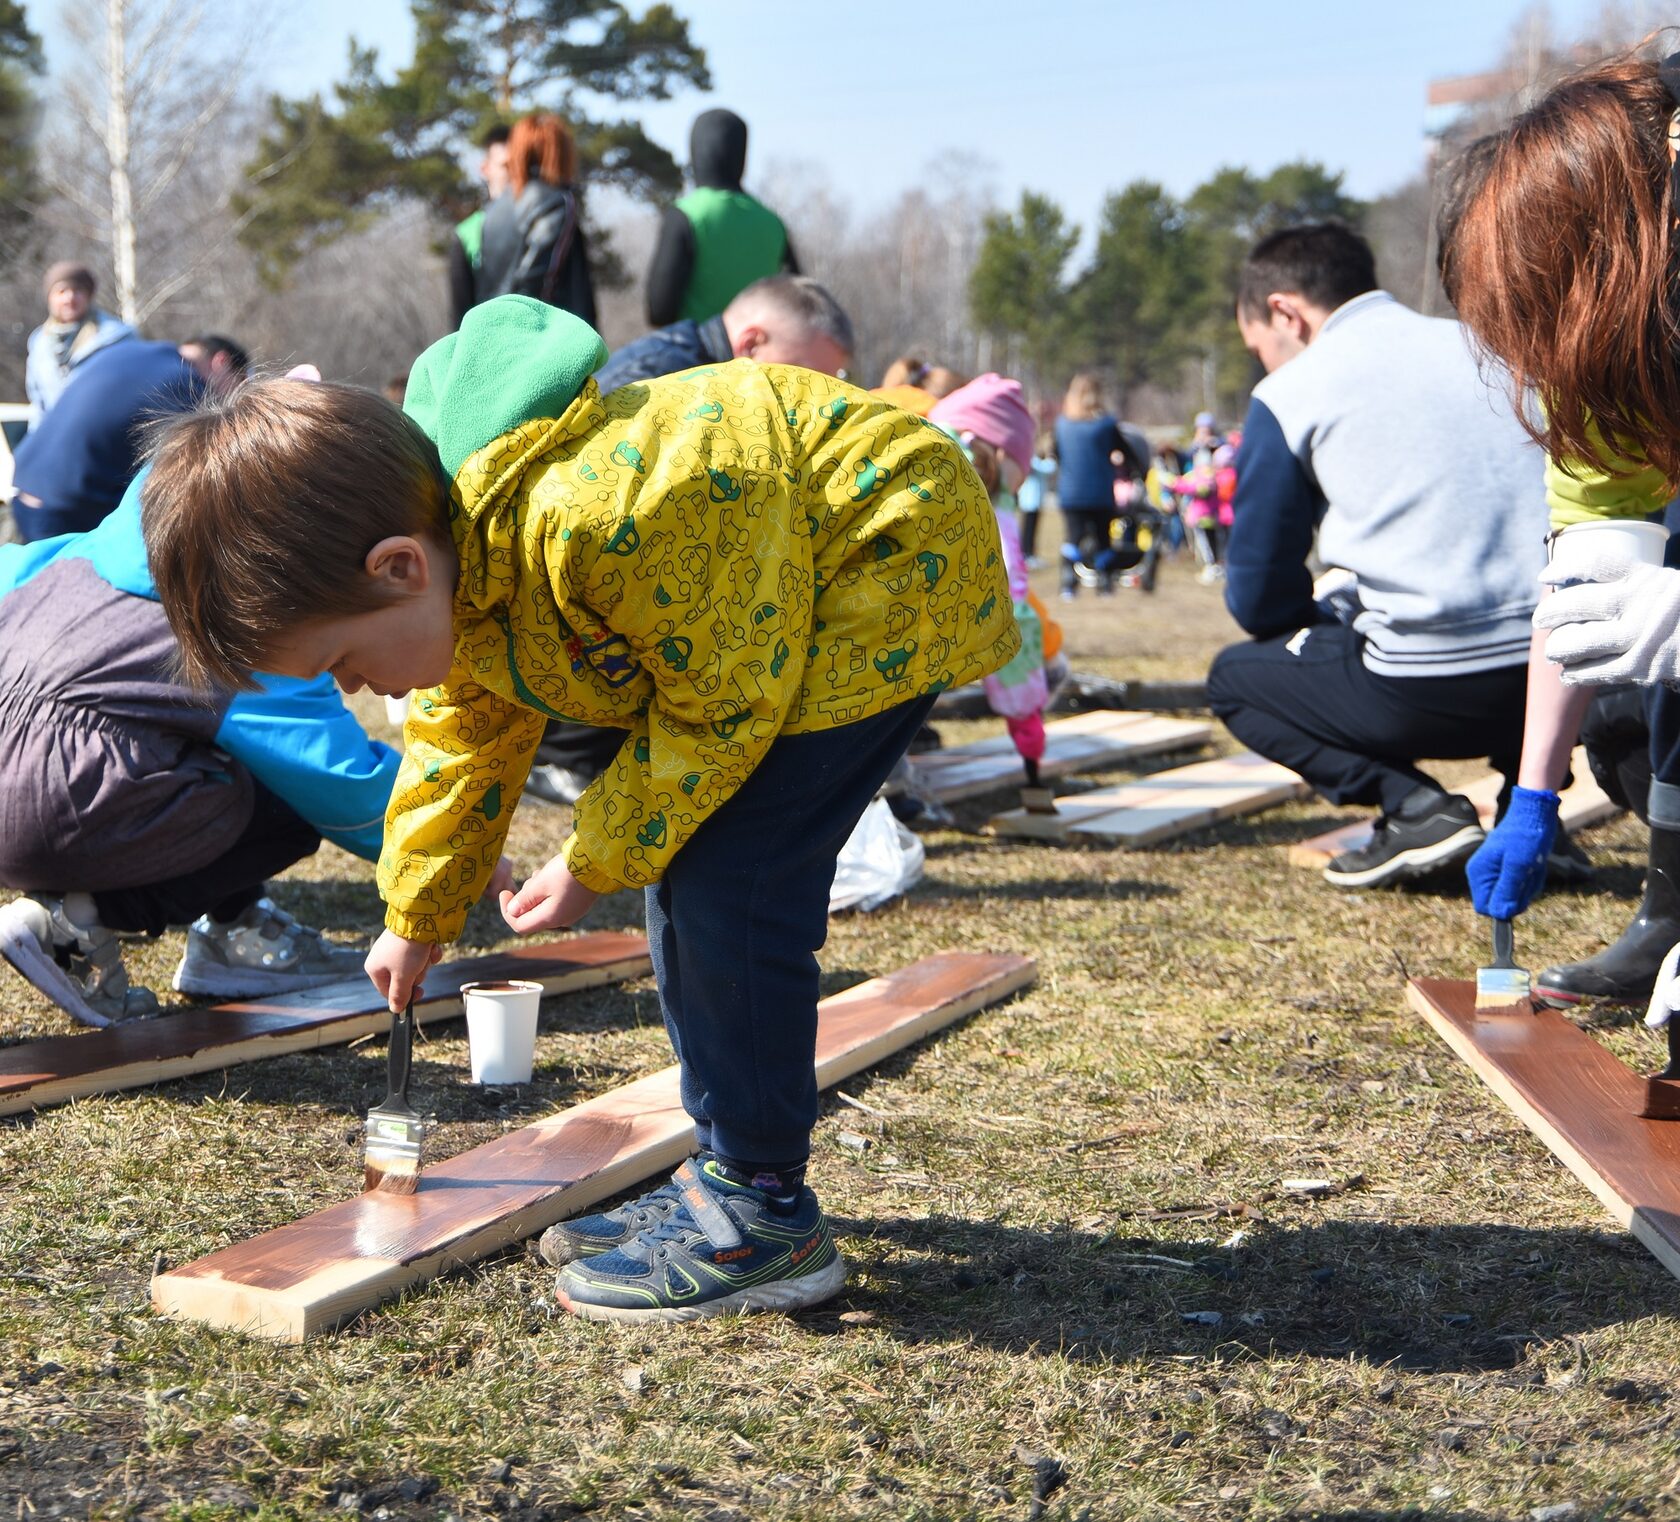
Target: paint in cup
pixel 501 1030
pixel 1582 545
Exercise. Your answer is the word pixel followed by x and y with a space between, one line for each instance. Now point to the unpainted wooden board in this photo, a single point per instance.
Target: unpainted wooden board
pixel 1163 805
pixel 1583 804
pixel 311 1275
pixel 34 1074
pixel 1084 742
pixel 1577 1097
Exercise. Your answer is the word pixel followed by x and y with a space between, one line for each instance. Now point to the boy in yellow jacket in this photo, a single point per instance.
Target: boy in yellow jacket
pixel 761 573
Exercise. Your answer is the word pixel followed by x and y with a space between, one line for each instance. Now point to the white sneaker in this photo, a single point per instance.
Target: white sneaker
pixel 264 951
pixel 79 967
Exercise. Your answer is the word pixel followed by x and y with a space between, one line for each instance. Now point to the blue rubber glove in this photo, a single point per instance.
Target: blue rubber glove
pixel 1509 868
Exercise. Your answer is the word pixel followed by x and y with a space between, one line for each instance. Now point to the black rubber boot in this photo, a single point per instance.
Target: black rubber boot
pixel 1626 972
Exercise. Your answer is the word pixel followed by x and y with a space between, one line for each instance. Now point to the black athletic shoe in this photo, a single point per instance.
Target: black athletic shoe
pixel 556 784
pixel 1442 832
pixel 1568 863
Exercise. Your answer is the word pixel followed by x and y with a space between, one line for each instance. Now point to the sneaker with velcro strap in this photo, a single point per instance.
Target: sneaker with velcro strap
pixel 261 951
pixel 75 961
pixel 589 1236
pixel 726 1249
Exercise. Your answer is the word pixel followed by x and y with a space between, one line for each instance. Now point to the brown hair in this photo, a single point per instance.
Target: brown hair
pixel 1556 249
pixel 260 510
pixel 1084 398
pixel 541 144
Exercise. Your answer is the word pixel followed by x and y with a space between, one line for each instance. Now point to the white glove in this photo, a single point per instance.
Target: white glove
pixel 1620 624
pixel 1665 997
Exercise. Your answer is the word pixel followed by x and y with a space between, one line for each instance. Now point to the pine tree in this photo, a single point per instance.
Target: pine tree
pixel 326 166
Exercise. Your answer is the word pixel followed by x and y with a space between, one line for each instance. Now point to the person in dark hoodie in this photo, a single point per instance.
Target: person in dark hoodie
pixel 532 242
pixel 716 240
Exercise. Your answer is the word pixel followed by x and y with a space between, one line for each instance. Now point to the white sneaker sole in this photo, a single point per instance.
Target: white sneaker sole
pixel 1412 863
pixel 251 982
pixel 19 947
pixel 778 1295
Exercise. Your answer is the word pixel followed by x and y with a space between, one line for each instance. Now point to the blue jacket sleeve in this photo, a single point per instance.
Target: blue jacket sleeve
pixel 301 742
pixel 1274 515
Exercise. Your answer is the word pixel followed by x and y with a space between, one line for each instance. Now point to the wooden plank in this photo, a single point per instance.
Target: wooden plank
pixel 34 1074
pixel 1084 742
pixel 311 1275
pixel 1577 1097
pixel 1163 805
pixel 1583 804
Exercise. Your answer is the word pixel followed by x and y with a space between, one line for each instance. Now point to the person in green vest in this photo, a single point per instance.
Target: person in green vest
pixel 467 245
pixel 716 240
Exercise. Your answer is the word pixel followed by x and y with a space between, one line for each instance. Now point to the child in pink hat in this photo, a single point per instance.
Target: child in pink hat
pixel 990 419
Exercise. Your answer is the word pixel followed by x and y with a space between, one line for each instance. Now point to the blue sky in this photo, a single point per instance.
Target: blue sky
pixel 1072 97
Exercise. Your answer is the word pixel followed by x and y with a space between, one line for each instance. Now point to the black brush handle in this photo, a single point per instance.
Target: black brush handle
pixel 1502 944
pixel 400 1054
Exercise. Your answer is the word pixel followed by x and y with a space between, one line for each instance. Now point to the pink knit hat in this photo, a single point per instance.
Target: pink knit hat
pixel 992 408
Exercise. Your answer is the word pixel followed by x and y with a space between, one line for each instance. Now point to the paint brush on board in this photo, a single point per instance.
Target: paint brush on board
pixel 1504 983
pixel 395 1131
pixel 1035 797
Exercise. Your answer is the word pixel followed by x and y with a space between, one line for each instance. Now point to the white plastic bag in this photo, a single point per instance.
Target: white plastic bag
pixel 880 861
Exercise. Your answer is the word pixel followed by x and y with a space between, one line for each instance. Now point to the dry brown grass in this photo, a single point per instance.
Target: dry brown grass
pixel 1459 1335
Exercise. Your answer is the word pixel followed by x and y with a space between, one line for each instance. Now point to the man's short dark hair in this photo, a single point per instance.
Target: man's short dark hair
pixel 807 303
pixel 1326 263
pixel 491 136
pixel 213 344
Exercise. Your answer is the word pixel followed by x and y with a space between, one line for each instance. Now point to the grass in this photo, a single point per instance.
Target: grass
pixel 1045 1316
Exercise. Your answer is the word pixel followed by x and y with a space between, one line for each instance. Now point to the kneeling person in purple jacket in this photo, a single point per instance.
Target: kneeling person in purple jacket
pixel 130 803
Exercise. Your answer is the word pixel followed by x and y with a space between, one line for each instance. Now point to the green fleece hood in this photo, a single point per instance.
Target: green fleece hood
pixel 515 359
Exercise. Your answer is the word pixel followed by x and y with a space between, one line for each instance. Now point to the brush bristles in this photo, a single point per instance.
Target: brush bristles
pixel 1499 987
pixel 401 1176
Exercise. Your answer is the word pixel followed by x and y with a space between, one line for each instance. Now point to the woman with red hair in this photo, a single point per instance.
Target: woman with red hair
pixel 533 232
pixel 1559 249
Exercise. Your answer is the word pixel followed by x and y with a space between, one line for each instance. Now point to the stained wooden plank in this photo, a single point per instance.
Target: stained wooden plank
pixel 34 1074
pixel 309 1276
pixel 1577 1097
pixel 1084 742
pixel 1163 805
pixel 1583 804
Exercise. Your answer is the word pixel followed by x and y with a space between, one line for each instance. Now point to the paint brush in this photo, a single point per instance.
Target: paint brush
pixel 1035 797
pixel 1504 983
pixel 395 1131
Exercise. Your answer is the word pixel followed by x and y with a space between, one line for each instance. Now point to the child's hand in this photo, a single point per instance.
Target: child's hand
pixel 501 881
pixel 552 899
pixel 398 967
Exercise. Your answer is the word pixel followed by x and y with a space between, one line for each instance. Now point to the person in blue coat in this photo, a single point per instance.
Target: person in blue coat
pixel 130 803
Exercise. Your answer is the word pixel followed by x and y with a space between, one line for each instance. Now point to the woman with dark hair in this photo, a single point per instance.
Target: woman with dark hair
pixel 532 242
pixel 1558 247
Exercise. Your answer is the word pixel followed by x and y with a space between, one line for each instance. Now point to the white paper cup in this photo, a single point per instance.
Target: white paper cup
pixel 1581 544
pixel 501 1030
pixel 396 710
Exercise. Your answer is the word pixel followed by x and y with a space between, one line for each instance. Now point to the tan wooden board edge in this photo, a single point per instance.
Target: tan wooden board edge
pixel 1084 742
pixel 35 1074
pixel 311 1275
pixel 1577 1097
pixel 1162 805
pixel 1583 804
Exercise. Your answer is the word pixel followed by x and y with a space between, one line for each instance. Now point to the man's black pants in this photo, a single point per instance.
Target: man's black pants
pixel 1308 701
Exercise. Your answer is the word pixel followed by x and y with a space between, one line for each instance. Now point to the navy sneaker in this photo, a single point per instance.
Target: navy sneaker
pixel 725 1250
pixel 591 1235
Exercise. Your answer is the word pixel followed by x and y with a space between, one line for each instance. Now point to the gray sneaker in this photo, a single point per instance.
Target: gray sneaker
pixel 78 967
pixel 264 951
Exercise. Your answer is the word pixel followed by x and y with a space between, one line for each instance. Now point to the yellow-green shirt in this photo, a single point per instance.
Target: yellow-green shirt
pixel 708 560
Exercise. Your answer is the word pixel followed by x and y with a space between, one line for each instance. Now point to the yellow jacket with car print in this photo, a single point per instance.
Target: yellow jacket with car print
pixel 707 560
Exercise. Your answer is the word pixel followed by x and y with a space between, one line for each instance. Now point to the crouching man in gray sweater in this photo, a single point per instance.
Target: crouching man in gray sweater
pixel 1374 429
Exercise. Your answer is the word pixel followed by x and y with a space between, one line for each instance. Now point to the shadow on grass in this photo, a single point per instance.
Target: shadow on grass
pixel 1035 888
pixel 1434 1299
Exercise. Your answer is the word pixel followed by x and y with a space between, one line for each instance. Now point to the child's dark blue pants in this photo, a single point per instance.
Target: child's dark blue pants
pixel 735 926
